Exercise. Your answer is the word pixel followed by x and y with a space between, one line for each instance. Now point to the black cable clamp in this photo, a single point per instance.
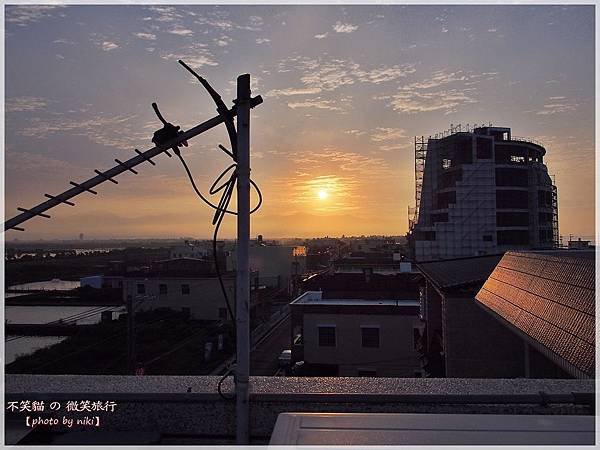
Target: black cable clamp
pixel 167 133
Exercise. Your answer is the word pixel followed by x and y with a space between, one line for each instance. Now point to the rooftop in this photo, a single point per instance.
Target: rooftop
pixel 451 273
pixel 549 299
pixel 315 298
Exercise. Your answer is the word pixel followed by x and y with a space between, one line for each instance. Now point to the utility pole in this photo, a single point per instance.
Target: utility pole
pixel 242 298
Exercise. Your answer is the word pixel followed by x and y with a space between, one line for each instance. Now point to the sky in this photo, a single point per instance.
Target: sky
pixel 345 89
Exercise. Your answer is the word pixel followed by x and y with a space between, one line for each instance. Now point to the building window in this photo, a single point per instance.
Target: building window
pixel 487 237
pixel 367 373
pixel 222 313
pixel 326 336
pixel 162 289
pixel 141 288
pixel 370 337
pixel 185 289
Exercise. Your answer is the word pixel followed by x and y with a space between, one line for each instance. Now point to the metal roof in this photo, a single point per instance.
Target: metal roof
pixel 548 298
pixel 460 271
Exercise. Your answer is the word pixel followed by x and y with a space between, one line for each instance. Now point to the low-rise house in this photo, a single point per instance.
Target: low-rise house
pixel 191 285
pixel 355 337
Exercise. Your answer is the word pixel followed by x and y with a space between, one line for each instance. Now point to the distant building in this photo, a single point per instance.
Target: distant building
pixel 278 266
pixel 355 337
pixel 190 285
pixel 195 249
pixel 481 192
pixel 579 244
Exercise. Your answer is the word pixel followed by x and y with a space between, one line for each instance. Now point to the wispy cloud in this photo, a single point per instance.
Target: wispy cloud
pixel 223 41
pixel 330 74
pixel 262 40
pixel 557 107
pixel 181 31
pixel 321 36
pixel 293 91
pixel 340 27
pixel 195 55
pixel 25 104
pixel 145 36
pixel 27 14
pixel 108 45
pixel 444 91
pixel 387 134
pixel 355 132
pixel 98 128
pixel 318 103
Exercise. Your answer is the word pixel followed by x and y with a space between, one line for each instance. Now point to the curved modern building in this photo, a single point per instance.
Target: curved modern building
pixel 481 192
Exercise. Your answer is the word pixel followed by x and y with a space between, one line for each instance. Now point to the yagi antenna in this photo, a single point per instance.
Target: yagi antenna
pixel 172 141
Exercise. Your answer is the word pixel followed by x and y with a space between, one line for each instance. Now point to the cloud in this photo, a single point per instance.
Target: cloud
pixel 108 45
pixel 27 14
pixel 443 91
pixel 387 134
pixel 98 128
pixel 557 107
pixel 181 31
pixel 223 41
pixel 321 36
pixel 64 41
pixel 195 55
pixel 262 40
pixel 318 103
pixel 355 132
pixel 292 91
pixel 24 104
pixel 27 162
pixel 340 27
pixel 330 74
pixel 385 73
pixel 145 36
pixel 164 13
pixel 446 100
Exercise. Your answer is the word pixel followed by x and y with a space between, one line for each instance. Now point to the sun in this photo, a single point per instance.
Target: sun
pixel 322 194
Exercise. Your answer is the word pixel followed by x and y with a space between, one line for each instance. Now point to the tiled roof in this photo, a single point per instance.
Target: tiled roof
pixel 548 297
pixel 461 271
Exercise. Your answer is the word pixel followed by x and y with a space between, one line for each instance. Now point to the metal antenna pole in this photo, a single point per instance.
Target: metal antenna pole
pixel 242 299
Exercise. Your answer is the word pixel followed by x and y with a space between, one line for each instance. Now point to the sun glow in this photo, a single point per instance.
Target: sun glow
pixel 322 194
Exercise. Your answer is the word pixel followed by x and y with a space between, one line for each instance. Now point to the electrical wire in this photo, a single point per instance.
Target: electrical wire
pixel 229 371
pixel 70 320
pixel 227 188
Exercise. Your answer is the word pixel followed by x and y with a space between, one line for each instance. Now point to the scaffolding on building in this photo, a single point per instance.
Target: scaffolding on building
pixel 555 236
pixel 420 155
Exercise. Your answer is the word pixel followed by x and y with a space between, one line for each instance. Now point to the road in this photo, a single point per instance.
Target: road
pixel 263 359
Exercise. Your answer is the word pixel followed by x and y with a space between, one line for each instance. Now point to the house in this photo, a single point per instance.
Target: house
pixel 355 336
